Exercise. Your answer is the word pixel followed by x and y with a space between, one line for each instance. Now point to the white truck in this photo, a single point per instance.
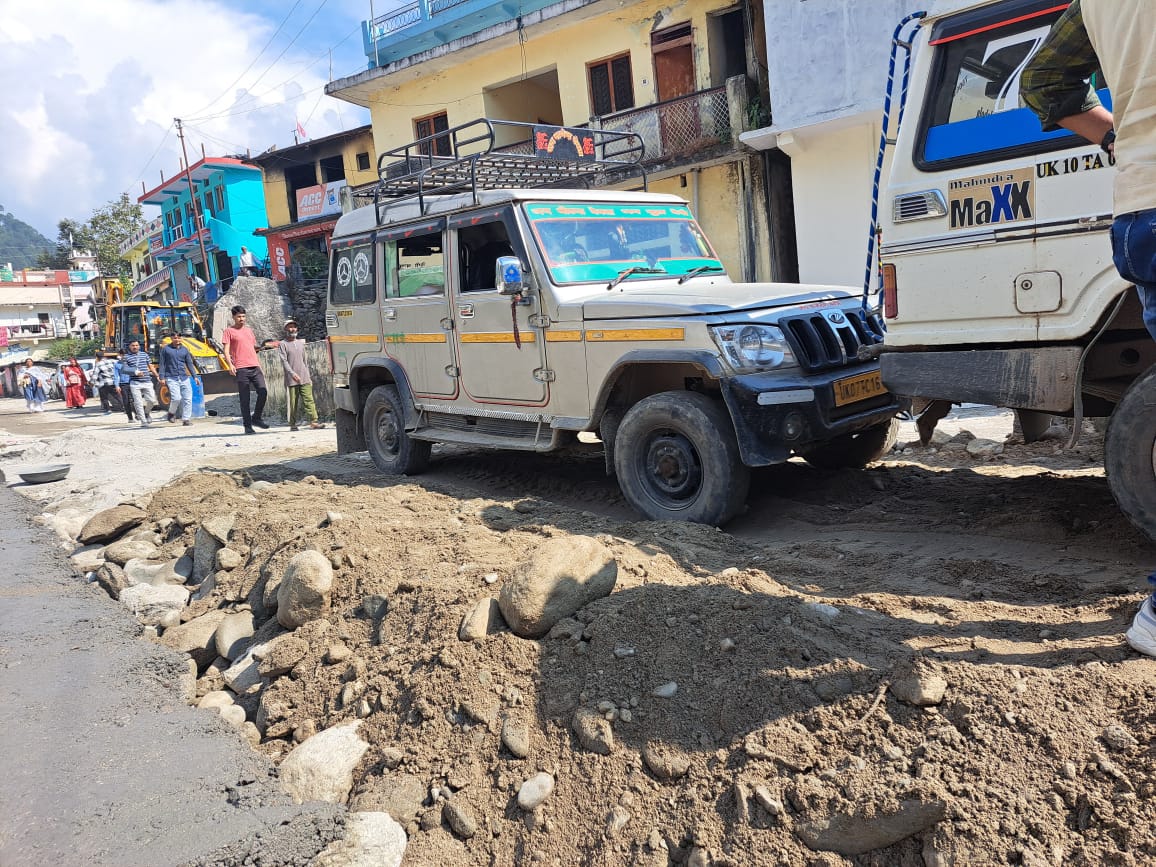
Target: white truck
pixel 996 263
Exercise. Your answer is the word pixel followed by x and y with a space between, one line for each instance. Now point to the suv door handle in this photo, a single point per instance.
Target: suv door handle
pixel 390 313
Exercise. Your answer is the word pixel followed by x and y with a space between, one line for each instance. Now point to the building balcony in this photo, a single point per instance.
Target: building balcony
pixel 138 237
pixel 689 128
pixel 422 25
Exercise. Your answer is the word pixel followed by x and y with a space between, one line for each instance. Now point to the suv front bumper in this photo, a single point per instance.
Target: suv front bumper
pixel 776 412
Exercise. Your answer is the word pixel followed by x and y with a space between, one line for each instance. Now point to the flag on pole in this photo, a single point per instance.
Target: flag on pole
pixel 301 131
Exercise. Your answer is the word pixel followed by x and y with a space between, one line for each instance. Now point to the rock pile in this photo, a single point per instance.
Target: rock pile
pixel 496 684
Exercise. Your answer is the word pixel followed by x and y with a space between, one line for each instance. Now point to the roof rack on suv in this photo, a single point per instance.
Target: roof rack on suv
pixel 467 158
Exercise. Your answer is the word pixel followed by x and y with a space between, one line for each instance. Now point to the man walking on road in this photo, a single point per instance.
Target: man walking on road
pixel 1119 37
pixel 140 381
pixel 240 345
pixel 104 377
pixel 177 369
pixel 298 382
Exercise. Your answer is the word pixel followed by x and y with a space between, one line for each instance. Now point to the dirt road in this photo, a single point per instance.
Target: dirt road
pixel 1000 586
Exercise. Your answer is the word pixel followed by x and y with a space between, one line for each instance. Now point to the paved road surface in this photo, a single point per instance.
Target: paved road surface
pixel 101 762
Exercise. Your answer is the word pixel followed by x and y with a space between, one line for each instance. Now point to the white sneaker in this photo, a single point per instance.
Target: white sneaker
pixel 1142 633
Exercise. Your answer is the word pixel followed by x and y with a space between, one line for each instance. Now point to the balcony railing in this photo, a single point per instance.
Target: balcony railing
pixel 425 24
pixel 679 127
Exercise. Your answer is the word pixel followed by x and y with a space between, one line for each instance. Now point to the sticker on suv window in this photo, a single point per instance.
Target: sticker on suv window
pixel 992 199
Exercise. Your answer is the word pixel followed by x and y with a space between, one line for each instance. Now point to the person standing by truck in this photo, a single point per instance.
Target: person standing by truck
pixel 1119 37
pixel 298 382
pixel 240 345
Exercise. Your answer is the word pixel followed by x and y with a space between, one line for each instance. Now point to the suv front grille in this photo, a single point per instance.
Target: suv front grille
pixel 821 344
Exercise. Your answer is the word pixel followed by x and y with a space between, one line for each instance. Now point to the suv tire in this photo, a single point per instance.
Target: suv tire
pixel 392 449
pixel 853 450
pixel 677 459
pixel 1130 453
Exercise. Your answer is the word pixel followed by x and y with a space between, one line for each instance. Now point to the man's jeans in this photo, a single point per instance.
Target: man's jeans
pixel 251 378
pixel 180 397
pixel 143 399
pixel 1134 252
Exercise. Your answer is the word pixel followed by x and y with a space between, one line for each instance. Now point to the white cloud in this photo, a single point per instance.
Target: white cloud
pixel 89 90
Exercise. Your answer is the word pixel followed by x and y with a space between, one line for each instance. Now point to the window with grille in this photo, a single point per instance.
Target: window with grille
pixel 611 86
pixel 431 125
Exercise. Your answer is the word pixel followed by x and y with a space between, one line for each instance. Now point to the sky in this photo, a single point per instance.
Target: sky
pixel 90 90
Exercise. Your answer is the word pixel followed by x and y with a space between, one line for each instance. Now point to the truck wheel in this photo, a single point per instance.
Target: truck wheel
pixel 1130 453
pixel 677 459
pixel 853 450
pixel 389 445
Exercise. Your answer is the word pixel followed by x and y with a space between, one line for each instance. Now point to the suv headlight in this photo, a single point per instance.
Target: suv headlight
pixel 749 348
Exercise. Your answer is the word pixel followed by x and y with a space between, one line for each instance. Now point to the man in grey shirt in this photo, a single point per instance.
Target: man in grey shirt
pixel 298 382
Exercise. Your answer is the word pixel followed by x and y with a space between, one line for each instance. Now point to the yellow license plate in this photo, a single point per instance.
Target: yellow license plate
pixel 856 388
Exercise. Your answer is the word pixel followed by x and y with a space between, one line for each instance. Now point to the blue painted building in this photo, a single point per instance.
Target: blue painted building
pixel 224 206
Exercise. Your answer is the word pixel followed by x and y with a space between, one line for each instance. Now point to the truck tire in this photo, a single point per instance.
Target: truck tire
pixel 853 450
pixel 1130 453
pixel 392 449
pixel 677 459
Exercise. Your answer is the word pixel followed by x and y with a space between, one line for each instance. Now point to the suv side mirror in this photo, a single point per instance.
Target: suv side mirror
pixel 508 276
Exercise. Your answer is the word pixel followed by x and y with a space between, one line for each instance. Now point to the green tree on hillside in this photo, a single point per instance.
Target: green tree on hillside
pixel 101 234
pixel 20 244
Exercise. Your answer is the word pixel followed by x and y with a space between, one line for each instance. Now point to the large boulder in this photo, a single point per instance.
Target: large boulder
pixel 153 605
pixel 111 579
pixel 304 591
pixel 233 632
pixel 153 572
pixel 211 538
pixel 371 840
pixel 123 550
pixel 561 577
pixel 196 638
pixel 321 769
pixel 267 308
pixel 110 524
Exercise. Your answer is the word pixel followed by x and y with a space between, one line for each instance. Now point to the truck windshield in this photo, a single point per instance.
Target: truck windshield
pixel 584 243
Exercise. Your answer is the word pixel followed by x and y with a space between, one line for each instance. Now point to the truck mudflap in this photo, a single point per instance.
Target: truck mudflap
pixel 774 414
pixel 1040 378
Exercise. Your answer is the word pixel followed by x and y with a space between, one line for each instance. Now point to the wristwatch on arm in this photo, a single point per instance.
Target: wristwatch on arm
pixel 1107 141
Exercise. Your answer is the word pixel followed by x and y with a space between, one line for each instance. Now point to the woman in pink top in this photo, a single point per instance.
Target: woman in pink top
pixel 240 345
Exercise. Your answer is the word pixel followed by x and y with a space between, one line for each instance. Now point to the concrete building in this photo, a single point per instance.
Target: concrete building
pixel 150 279
pixel 684 76
pixel 303 187
pixel 827 72
pixel 218 216
pixel 35 308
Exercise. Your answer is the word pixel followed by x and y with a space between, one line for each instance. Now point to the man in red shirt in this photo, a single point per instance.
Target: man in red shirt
pixel 240 345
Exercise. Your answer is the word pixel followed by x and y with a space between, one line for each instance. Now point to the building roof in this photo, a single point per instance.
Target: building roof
pixel 21 295
pixel 198 171
pixel 298 153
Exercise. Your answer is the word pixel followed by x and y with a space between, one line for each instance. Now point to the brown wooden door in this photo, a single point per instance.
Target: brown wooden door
pixel 674 77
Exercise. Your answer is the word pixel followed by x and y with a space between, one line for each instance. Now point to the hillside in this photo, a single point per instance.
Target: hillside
pixel 20 244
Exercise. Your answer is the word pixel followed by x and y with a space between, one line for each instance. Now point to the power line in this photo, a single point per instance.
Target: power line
pixel 256 57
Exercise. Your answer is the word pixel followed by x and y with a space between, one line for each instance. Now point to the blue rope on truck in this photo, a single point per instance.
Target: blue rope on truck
pixel 896 43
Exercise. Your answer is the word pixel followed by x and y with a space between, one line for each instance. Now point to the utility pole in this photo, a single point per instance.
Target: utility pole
pixel 198 214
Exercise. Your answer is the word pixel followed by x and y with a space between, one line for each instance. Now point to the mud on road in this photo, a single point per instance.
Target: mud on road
pixel 931 647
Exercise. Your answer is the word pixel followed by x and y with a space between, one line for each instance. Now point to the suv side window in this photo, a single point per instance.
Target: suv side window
pixel 974 112
pixel 479 247
pixel 419 262
pixel 351 277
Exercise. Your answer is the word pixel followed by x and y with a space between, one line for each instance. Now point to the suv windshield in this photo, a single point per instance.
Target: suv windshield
pixel 584 243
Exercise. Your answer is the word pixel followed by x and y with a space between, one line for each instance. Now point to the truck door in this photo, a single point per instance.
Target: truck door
pixel 994 224
pixel 352 318
pixel 415 314
pixel 502 356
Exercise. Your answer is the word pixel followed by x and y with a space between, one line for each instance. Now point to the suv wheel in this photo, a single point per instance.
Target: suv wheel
pixel 853 450
pixel 391 448
pixel 677 459
pixel 1130 453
